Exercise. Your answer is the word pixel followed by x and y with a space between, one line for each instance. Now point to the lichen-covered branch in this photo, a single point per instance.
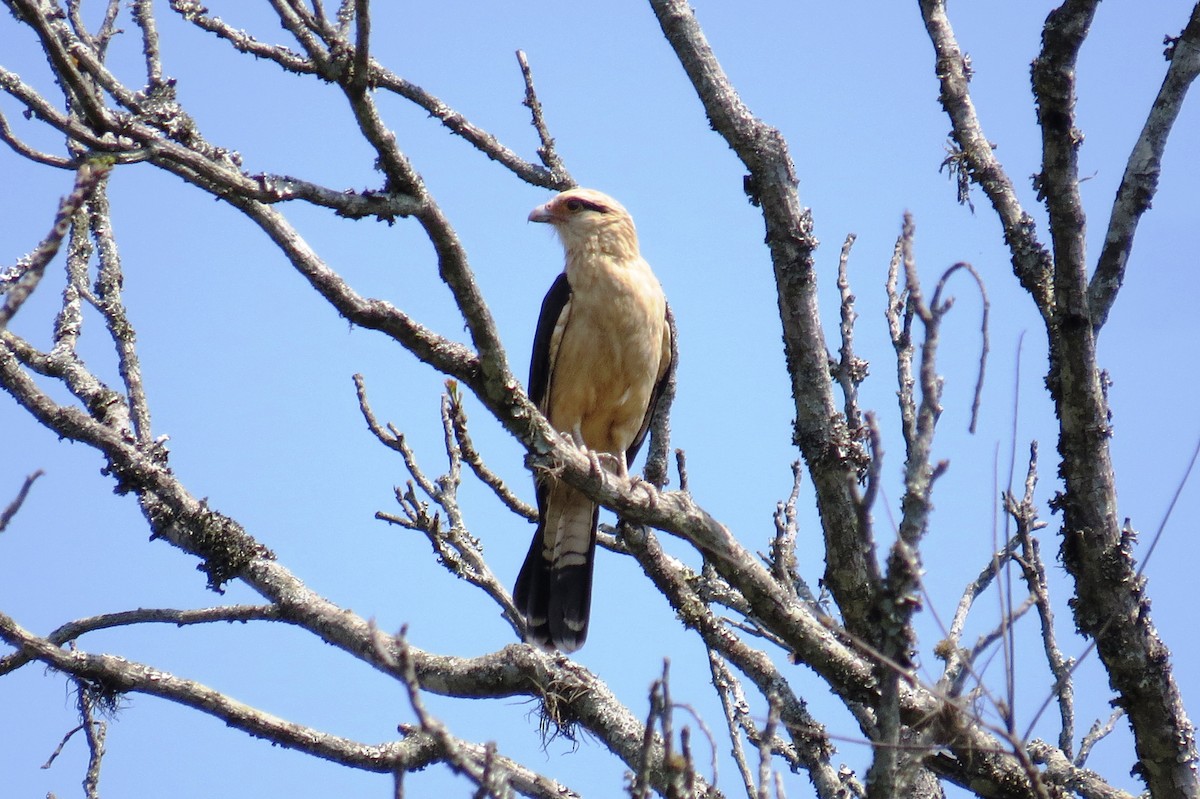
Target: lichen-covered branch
pixel 71 631
pixel 18 282
pixel 1140 181
pixel 1031 261
pixel 834 457
pixel 552 175
pixel 1110 605
pixel 751 612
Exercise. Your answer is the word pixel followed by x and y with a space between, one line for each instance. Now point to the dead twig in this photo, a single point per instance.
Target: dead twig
pixel 13 507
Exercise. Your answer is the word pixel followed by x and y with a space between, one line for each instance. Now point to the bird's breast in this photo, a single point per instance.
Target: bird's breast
pixel 608 356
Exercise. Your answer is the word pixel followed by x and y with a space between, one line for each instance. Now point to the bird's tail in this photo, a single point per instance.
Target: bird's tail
pixel 554 588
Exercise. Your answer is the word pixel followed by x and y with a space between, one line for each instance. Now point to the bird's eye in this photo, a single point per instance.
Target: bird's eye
pixel 574 206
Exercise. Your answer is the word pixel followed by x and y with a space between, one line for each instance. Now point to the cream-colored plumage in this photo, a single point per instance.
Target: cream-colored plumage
pixel 600 356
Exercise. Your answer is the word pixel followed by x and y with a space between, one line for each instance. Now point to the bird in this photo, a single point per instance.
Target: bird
pixel 601 358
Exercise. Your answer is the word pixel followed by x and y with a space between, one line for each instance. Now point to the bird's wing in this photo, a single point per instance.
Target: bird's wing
pixel 555 307
pixel 665 368
pixel 554 587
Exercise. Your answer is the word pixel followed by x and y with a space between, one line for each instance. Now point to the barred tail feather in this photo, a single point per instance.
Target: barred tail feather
pixel 554 588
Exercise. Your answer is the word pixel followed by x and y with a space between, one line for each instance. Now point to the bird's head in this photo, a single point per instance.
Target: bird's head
pixel 589 221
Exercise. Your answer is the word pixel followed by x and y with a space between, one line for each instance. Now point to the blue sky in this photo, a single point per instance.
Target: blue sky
pixel 248 371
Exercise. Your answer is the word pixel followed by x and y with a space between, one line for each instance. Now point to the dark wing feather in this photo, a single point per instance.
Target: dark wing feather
pixel 535 582
pixel 539 362
pixel 655 397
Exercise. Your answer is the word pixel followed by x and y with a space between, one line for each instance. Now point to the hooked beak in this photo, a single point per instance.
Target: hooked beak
pixel 541 214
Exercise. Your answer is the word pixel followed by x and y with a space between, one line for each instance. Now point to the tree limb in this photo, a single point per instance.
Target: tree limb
pixel 832 454
pixel 1140 181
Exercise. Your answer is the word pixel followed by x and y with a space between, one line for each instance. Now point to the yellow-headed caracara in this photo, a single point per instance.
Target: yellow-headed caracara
pixel 601 355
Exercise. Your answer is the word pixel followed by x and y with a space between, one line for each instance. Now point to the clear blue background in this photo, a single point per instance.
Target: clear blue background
pixel 248 370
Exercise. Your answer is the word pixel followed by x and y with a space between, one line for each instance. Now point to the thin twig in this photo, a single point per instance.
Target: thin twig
pixel 19 282
pixel 143 15
pixel 23 149
pixel 873 480
pixel 712 747
pixel 107 300
pixel 736 710
pixel 641 782
pixel 71 631
pixel 850 370
pixel 1097 733
pixel 9 512
pixel 458 417
pixel 1024 513
pixel 764 747
pixel 58 750
pixel 958 661
pixel 94 731
pixel 983 329
pixel 545 151
pixel 456 548
pixel 783 544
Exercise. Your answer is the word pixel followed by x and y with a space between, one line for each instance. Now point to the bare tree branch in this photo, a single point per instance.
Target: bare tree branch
pixel 827 445
pixel 95 732
pixel 546 151
pixel 749 611
pixel 19 147
pixel 120 676
pixel 18 282
pixel 985 346
pixel 850 371
pixel 1110 601
pixel 494 775
pixel 466 446
pixel 1024 513
pixel 1140 181
pixel 72 630
pixel 1062 774
pixel 550 176
pixel 1031 261
pixel 457 550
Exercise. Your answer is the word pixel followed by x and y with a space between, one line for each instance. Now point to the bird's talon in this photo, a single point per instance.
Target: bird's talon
pixel 615 464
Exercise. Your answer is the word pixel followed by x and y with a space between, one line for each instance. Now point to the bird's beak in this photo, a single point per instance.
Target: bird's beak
pixel 541 214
